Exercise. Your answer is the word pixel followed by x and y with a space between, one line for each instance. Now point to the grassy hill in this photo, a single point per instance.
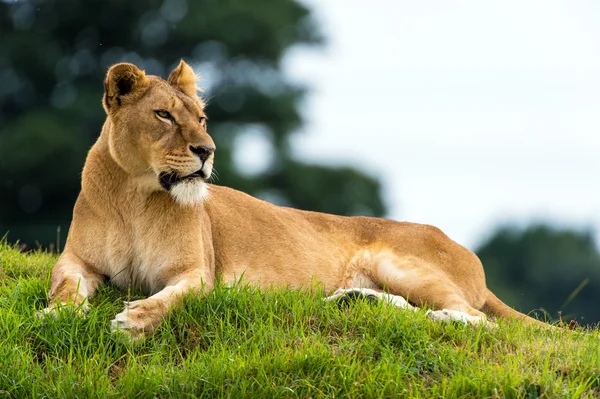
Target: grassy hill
pixel 245 343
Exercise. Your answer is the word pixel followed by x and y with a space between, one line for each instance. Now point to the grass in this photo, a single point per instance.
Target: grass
pixel 245 343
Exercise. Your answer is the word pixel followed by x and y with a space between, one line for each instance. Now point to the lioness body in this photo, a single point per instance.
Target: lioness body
pixel 270 245
pixel 141 240
pixel 146 218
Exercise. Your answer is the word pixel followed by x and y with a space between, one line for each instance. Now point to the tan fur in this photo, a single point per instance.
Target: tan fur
pixel 138 233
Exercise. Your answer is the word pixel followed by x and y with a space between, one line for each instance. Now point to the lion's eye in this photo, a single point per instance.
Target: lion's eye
pixel 202 120
pixel 161 113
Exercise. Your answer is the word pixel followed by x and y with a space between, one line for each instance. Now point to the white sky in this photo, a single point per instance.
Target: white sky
pixel 473 113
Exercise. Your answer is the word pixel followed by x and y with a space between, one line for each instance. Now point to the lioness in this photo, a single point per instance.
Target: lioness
pixel 146 217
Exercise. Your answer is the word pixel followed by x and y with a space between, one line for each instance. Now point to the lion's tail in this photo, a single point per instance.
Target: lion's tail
pixel 495 307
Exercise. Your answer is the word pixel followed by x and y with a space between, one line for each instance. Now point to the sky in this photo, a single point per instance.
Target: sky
pixel 473 114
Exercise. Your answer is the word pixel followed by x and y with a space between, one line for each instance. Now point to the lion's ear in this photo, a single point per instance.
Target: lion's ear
pixel 122 80
pixel 184 79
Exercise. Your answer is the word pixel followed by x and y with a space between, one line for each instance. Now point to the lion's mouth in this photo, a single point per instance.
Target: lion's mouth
pixel 168 180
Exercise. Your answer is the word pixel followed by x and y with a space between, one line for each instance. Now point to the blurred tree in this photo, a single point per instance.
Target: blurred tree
pixel 545 268
pixel 53 57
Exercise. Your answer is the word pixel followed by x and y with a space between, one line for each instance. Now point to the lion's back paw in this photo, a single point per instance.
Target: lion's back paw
pixel 447 315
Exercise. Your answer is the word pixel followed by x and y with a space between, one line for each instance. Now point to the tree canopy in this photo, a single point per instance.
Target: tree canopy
pixel 53 58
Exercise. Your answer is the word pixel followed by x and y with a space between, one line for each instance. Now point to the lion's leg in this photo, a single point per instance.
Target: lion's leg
pixel 72 282
pixel 144 315
pixel 423 285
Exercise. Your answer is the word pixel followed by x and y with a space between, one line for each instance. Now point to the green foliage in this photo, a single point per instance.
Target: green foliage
pixel 53 58
pixel 545 268
pixel 240 342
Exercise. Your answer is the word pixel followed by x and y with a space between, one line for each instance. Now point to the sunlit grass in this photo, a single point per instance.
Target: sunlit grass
pixel 245 343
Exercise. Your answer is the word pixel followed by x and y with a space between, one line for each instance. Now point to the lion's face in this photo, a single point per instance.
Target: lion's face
pixel 158 133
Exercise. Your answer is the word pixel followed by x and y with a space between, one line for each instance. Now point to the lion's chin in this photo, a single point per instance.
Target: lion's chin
pixel 189 192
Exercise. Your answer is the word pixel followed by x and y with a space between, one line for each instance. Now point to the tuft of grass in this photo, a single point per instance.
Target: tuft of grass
pixel 242 342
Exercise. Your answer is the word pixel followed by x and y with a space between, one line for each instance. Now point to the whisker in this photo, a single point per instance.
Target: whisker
pixel 214 177
pixel 177 157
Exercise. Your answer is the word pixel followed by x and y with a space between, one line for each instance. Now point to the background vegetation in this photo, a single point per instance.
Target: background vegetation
pixel 53 57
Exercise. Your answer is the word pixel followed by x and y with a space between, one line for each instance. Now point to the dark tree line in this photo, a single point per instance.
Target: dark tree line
pixel 547 269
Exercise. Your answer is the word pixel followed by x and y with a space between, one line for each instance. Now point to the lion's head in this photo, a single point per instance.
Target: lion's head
pixel 157 130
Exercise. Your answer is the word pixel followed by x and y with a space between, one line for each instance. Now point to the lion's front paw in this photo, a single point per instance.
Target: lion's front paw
pixel 53 309
pixel 49 311
pixel 137 318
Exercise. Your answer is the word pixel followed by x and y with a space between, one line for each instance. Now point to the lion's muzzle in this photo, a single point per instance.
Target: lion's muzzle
pixel 172 178
pixel 168 180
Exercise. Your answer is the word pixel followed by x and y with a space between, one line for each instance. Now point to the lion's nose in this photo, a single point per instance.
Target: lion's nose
pixel 203 151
